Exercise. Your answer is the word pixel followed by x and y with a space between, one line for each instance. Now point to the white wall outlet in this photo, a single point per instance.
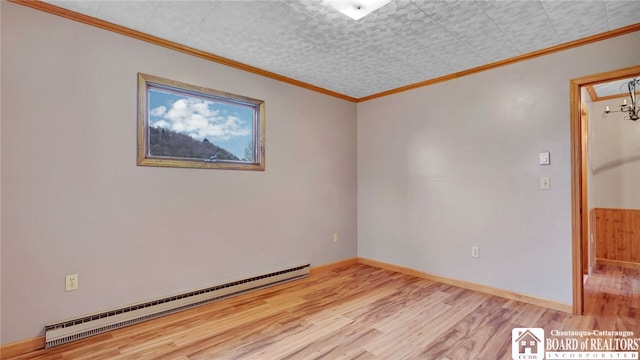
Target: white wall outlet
pixel 71 282
pixel 336 237
pixel 475 252
pixel 545 183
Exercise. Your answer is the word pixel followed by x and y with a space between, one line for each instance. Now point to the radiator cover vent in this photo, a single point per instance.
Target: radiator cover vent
pixel 85 326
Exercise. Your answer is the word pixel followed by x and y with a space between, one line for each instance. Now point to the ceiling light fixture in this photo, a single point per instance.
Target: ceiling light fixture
pixel 357 9
pixel 632 109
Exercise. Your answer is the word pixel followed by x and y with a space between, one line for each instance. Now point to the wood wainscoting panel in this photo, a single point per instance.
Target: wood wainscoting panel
pixel 618 235
pixel 592 240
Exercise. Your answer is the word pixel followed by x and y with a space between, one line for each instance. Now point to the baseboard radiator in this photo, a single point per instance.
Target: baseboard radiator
pixel 85 326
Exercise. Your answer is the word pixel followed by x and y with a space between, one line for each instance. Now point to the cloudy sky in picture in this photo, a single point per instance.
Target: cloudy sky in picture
pixel 226 125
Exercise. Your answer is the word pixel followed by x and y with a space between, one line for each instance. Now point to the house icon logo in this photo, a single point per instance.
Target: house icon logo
pixel 527 343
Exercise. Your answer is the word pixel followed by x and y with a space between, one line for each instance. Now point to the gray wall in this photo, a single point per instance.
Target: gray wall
pixel 74 201
pixel 446 167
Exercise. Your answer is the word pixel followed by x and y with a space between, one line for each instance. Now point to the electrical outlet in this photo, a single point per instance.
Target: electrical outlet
pixel 475 252
pixel 71 282
pixel 336 237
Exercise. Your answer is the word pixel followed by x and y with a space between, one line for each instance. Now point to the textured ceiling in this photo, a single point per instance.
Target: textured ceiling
pixel 613 88
pixel 404 43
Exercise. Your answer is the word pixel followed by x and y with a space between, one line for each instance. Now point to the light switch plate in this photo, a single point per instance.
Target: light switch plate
pixel 545 158
pixel 545 183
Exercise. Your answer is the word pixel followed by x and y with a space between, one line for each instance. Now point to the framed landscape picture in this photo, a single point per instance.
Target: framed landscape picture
pixel 188 126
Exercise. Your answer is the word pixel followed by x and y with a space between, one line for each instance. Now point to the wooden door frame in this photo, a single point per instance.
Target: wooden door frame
pixel 580 216
pixel 585 235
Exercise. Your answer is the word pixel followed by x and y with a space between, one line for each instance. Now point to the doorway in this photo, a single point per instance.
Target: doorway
pixel 579 192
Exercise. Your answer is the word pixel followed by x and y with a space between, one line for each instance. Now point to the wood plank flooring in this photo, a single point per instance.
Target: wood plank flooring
pixel 358 312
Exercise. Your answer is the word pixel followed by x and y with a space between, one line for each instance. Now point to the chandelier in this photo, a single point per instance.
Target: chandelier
pixel 632 109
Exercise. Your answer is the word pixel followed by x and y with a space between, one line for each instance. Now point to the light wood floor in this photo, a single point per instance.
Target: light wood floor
pixel 359 312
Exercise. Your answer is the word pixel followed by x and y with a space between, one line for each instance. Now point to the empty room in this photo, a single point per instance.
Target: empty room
pixel 319 179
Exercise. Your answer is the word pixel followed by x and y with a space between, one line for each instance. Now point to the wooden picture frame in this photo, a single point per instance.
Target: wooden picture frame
pixel 188 126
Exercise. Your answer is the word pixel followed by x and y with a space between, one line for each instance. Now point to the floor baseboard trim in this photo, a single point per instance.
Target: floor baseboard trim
pixel 507 294
pixel 624 264
pixel 21 347
pixel 334 265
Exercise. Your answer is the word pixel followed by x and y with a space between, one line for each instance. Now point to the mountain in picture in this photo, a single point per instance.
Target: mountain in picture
pixel 164 142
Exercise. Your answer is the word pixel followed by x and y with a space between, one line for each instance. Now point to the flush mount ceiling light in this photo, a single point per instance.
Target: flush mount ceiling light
pixel 632 109
pixel 357 9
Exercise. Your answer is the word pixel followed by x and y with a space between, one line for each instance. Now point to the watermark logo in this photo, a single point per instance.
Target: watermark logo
pixel 527 343
pixel 531 344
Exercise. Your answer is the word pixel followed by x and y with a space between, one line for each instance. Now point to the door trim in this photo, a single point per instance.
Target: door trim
pixel 584 215
pixel 578 172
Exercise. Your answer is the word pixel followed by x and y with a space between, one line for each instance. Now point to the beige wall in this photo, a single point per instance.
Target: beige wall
pixel 615 154
pixel 74 201
pixel 454 165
